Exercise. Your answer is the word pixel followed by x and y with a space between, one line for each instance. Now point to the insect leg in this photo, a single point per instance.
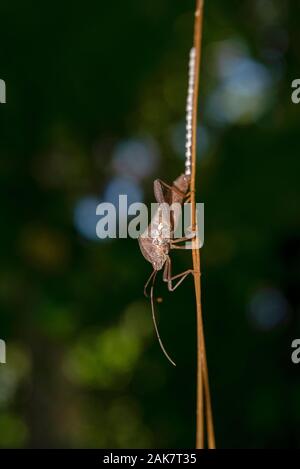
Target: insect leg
pixel 181 277
pixel 166 273
pixel 168 277
pixel 185 238
pixel 174 242
pixel 179 247
pixel 187 197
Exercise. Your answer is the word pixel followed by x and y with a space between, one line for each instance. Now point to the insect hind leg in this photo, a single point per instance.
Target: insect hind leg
pixel 167 276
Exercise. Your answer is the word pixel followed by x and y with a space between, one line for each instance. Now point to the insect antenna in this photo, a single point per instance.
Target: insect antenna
pixel 153 276
pixel 147 283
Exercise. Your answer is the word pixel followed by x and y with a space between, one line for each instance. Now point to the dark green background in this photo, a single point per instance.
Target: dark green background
pixel 83 365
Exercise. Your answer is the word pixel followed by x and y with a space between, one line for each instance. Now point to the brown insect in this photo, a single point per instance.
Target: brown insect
pixel 158 239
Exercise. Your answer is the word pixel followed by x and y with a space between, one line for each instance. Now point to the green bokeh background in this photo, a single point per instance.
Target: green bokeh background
pixel 83 365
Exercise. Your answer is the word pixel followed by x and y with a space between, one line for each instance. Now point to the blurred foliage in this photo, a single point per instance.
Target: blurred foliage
pixel 83 365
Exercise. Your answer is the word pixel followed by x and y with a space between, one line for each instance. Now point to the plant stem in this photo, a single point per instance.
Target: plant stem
pixel 203 392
